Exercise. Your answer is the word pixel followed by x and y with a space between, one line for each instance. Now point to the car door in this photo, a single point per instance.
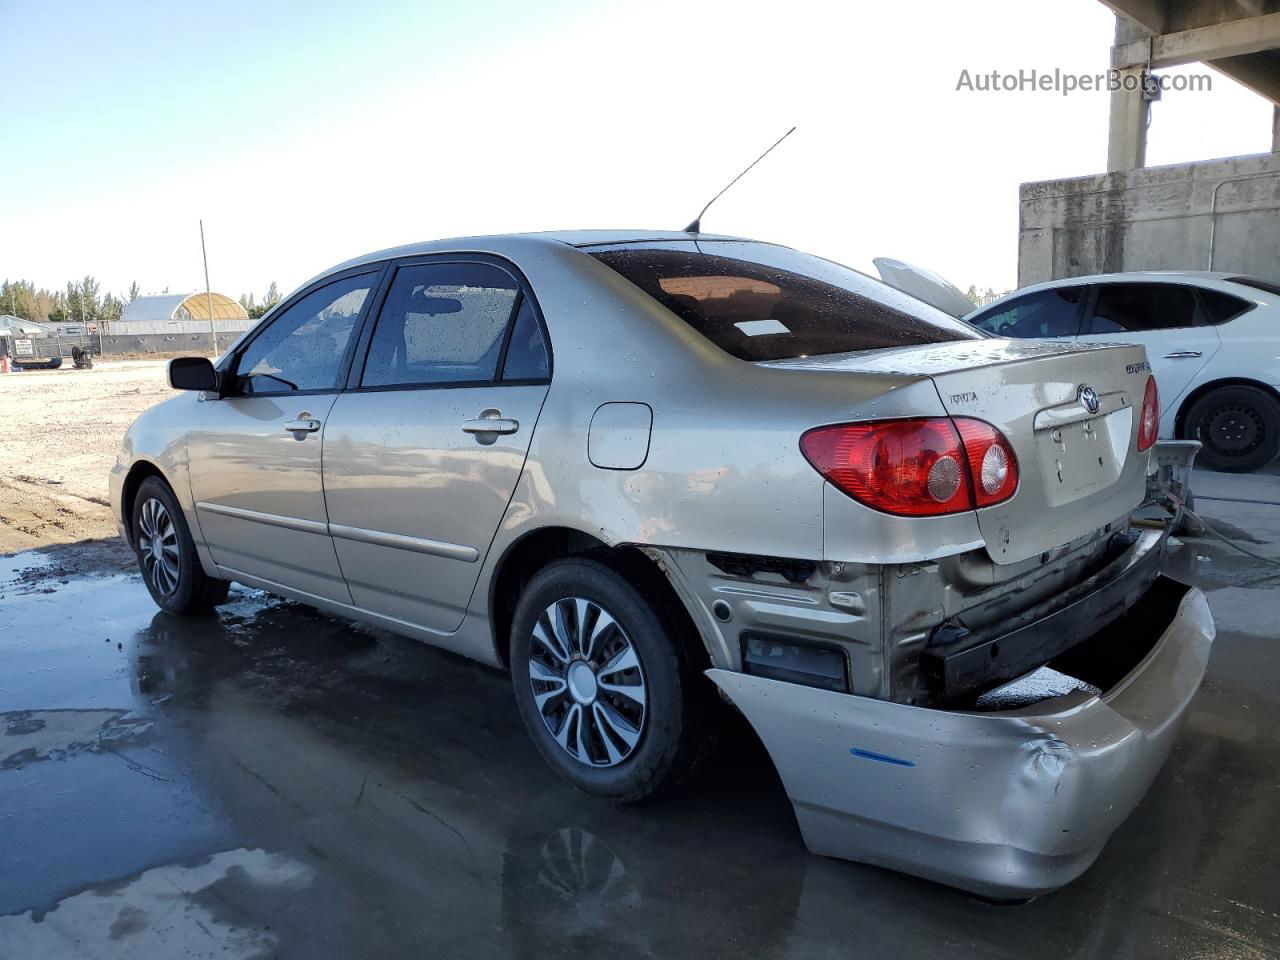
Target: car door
pixel 1041 314
pixel 1167 319
pixel 423 452
pixel 255 452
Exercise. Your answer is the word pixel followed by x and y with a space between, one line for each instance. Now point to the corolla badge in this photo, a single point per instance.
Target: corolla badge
pixel 1089 397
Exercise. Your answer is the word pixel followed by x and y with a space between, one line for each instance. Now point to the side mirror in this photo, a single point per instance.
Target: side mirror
pixel 192 373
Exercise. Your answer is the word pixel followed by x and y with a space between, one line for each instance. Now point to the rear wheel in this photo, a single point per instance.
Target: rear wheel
pixel 606 686
pixel 167 554
pixel 1239 427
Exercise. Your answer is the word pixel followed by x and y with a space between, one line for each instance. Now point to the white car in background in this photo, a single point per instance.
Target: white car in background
pixel 1213 341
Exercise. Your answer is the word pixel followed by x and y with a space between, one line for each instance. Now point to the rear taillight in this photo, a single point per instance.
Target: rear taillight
pixel 916 468
pixel 1149 420
pixel 992 465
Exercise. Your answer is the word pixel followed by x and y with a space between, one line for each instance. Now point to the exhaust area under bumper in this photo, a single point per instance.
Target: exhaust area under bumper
pixel 1007 804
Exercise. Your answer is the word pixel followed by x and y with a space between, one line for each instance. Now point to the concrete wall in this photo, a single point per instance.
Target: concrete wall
pixel 235 326
pixel 1156 218
pixel 173 343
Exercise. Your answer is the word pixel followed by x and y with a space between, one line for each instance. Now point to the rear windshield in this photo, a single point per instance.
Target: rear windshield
pixel 1266 286
pixel 760 302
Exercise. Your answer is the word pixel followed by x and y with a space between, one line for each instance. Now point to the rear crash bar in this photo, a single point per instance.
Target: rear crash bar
pixel 957 662
pixel 1008 804
pixel 1173 462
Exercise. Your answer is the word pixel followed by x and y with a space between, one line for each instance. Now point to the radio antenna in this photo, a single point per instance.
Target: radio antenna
pixel 696 226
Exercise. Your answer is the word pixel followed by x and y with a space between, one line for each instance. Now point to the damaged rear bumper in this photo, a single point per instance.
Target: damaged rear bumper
pixel 1007 804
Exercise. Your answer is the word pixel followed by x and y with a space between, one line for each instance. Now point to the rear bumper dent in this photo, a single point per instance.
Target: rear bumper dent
pixel 1005 805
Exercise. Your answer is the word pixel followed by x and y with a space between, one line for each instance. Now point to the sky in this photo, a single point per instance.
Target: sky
pixel 305 134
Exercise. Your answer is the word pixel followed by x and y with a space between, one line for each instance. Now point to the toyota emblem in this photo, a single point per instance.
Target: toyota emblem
pixel 1089 397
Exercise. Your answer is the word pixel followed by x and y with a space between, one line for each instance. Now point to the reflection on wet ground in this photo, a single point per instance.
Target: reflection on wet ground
pixel 273 781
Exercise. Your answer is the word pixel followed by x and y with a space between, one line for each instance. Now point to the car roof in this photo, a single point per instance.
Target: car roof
pixel 1205 277
pixel 1151 276
pixel 496 241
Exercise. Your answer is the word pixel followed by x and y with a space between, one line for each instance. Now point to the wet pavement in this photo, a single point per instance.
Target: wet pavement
pixel 275 782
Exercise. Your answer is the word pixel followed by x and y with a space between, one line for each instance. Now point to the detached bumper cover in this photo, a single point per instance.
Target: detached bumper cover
pixel 1005 805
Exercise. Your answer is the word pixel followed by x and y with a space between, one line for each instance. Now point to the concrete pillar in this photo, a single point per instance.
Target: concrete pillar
pixel 1275 129
pixel 1127 136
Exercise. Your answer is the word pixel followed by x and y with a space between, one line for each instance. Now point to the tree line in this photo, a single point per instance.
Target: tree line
pixel 84 301
pixel 255 309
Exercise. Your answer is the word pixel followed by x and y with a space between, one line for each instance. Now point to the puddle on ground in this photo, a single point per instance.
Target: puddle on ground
pixel 1213 565
pixel 13 566
pixel 29 736
pixel 168 911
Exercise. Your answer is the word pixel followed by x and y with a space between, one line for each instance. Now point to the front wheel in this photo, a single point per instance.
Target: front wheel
pixel 610 694
pixel 1239 427
pixel 167 554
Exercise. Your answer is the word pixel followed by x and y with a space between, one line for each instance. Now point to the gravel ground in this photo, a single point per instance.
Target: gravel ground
pixel 62 431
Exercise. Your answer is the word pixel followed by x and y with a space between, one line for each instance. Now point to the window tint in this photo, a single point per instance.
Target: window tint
pixel 441 323
pixel 1048 313
pixel 303 347
pixel 1137 307
pixel 1220 307
pixel 759 302
pixel 527 353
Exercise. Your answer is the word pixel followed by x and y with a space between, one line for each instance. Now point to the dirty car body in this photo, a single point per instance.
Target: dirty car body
pixel 755 437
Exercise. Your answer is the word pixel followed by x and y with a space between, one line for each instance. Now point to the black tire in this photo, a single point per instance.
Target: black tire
pixel 677 727
pixel 1239 427
pixel 176 581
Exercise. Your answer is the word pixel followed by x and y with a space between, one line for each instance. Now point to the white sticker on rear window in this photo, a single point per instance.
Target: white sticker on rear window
pixel 757 328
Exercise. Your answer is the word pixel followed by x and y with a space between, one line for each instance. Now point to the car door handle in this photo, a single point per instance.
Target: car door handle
pixel 1182 355
pixel 490 421
pixel 304 424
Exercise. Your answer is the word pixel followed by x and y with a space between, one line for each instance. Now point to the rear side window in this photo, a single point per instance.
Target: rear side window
pixel 782 305
pixel 441 323
pixel 1139 307
pixel 1048 313
pixel 527 357
pixel 1220 307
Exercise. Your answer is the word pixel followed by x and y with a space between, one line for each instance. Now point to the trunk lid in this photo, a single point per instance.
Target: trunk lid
pixel 1078 469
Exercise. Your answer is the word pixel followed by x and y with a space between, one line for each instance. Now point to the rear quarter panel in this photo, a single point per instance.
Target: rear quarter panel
pixel 1250 350
pixel 724 469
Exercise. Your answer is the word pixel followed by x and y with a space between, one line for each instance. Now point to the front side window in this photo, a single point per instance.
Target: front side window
pixel 441 323
pixel 304 346
pixel 760 302
pixel 1046 314
pixel 1140 307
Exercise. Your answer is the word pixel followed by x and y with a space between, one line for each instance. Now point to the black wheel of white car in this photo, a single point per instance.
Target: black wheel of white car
pixel 604 685
pixel 167 554
pixel 1239 427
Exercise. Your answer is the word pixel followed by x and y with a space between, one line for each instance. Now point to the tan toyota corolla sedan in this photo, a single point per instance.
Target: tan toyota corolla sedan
pixel 644 472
